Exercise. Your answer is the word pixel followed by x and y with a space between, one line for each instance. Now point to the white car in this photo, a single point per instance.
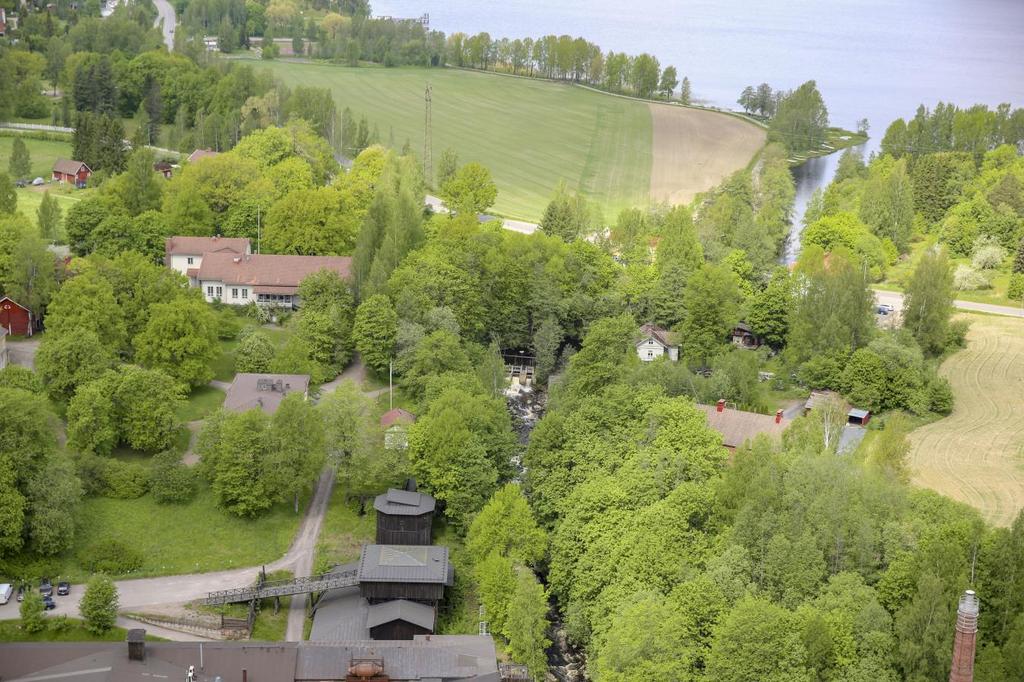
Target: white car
pixel 38 181
pixel 5 593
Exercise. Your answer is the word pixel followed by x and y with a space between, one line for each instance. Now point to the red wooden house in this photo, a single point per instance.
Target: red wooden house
pixel 15 318
pixel 75 172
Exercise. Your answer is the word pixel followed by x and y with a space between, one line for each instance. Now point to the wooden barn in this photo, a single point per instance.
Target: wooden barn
pixel 72 172
pixel 415 573
pixel 400 619
pixel 15 318
pixel 404 517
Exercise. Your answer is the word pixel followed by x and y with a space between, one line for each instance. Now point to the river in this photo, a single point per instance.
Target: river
pixel 874 59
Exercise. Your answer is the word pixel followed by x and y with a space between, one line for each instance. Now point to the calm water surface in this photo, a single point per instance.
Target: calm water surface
pixel 871 59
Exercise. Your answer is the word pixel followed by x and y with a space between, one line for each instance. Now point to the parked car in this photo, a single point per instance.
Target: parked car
pixel 48 603
pixel 21 183
pixel 46 587
pixel 5 592
pixel 21 592
pixel 63 588
pixel 38 181
pixel 885 309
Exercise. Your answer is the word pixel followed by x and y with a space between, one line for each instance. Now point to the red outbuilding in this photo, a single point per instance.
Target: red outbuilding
pixel 15 318
pixel 75 172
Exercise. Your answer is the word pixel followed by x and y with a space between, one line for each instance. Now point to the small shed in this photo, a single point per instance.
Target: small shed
pixel 72 172
pixel 15 318
pixel 404 517
pixel 744 337
pixel 417 573
pixel 163 168
pixel 858 417
pixel 400 619
pixel 818 399
pixel 396 428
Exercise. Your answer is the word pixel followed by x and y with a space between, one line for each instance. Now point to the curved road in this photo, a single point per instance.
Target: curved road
pixel 168 19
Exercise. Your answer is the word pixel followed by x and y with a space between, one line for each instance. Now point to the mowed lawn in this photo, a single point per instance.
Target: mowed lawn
pixel 42 153
pixel 976 455
pixel 531 134
pixel 193 537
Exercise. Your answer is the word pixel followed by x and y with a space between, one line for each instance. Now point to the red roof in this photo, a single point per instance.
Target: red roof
pixel 397 415
pixel 69 167
pixel 267 270
pixel 662 336
pixel 737 426
pixel 201 154
pixel 197 246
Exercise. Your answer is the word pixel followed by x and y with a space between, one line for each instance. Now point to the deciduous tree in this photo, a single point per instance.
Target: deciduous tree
pixel 180 338
pixel 99 604
pixel 470 191
pixel 929 301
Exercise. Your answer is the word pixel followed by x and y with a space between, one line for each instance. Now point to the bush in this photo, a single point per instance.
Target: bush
pixel 1015 292
pixel 16 376
pixel 940 395
pixel 33 615
pixel 124 480
pixel 255 352
pixel 228 325
pixel 110 556
pixel 172 481
pixel 956 335
pixel 256 311
pixel 59 624
pixel 966 278
pixel 988 254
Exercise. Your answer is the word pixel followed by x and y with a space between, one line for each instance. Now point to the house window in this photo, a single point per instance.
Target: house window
pixel 220 292
pixel 190 260
pixel 209 291
pixel 234 293
pixel 650 354
pixel 245 293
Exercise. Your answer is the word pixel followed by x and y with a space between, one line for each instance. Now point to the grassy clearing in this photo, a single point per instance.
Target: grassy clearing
pixel 201 402
pixel 194 537
pixel 836 139
pixel 898 276
pixel 224 366
pixel 42 152
pixel 976 455
pixel 344 532
pixel 74 631
pixel 530 133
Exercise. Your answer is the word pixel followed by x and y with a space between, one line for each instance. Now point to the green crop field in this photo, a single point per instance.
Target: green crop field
pixel 531 134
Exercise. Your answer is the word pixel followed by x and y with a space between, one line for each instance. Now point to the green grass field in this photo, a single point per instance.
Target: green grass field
pixel 198 536
pixel 531 134
pixel 200 403
pixel 42 152
pixel 343 532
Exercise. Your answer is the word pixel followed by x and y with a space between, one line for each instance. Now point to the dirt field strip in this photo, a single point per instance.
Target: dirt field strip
pixel 976 455
pixel 694 149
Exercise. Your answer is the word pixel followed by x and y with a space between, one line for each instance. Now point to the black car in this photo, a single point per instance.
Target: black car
pixel 21 592
pixel 48 603
pixel 46 587
pixel 63 588
pixel 21 183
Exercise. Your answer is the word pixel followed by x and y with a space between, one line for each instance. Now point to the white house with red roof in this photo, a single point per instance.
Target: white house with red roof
pixel 654 342
pixel 266 279
pixel 185 254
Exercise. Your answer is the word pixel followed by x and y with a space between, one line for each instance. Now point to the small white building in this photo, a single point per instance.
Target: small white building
pixel 654 342
pixel 185 254
pixel 3 347
pixel 267 279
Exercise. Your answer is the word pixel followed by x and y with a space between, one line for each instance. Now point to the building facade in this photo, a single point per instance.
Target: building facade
pixel 266 279
pixel 185 254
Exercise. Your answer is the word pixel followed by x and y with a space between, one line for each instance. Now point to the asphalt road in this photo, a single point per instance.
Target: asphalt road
pixel 895 299
pixel 166 14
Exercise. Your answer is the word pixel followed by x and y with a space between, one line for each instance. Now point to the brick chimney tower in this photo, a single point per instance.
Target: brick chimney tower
pixel 966 633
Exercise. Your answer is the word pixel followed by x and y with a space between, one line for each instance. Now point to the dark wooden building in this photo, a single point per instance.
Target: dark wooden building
pixel 404 518
pixel 400 619
pixel 72 172
pixel 415 572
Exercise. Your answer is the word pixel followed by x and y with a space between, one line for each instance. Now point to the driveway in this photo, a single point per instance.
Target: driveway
pixel 167 20
pixel 23 351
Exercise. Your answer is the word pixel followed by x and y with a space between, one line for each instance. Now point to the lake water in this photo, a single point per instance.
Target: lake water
pixel 874 59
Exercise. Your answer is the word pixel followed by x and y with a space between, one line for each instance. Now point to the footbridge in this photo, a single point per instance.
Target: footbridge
pixel 264 589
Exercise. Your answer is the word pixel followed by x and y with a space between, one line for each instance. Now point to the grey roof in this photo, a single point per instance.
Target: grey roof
pixel 404 503
pixel 401 609
pixel 265 391
pixel 404 564
pixel 857 413
pixel 340 616
pixel 426 657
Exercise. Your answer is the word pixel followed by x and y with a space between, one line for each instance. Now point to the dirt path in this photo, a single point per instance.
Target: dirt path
pixel 694 150
pixel 976 455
